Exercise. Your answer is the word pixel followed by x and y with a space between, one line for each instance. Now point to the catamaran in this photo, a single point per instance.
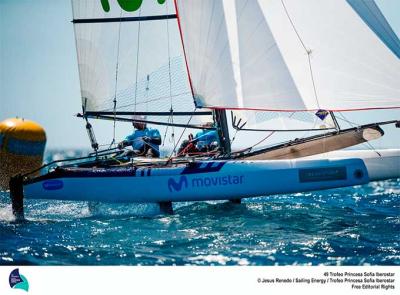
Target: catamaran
pixel 265 66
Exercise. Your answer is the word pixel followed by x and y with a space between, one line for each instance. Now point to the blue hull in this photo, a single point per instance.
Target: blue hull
pixel 200 181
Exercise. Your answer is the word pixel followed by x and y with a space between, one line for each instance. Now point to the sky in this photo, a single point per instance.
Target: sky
pixel 39 73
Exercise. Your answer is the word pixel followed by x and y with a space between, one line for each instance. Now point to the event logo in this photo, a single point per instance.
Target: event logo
pixel 127 5
pixel 18 281
pixel 177 186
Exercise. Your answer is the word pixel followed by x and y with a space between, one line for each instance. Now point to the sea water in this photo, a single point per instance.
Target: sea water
pixel 350 226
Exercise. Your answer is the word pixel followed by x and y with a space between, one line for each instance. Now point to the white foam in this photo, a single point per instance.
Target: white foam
pixel 6 213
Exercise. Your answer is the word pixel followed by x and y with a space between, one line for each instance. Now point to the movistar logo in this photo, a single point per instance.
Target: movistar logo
pixel 206 181
pixel 127 5
pixel 18 281
pixel 177 186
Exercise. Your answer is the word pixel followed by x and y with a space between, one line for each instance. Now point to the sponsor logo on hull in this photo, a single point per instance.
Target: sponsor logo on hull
pixel 177 185
pixel 322 174
pixel 205 181
pixel 52 185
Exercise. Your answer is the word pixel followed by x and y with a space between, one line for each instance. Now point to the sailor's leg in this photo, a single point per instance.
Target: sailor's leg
pixel 152 153
pixel 166 208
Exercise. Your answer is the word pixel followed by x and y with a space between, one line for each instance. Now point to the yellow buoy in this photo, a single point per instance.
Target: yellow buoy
pixel 22 144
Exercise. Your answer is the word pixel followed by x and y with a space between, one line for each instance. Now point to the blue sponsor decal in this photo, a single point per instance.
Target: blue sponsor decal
pixel 52 185
pixel 177 185
pixel 322 114
pixel 217 180
pixel 18 281
pixel 205 181
pixel 322 174
pixel 204 167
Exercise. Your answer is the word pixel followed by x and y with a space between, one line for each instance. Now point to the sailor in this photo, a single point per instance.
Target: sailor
pixel 144 141
pixel 205 141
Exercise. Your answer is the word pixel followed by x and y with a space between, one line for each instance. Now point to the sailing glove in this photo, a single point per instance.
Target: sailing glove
pixel 122 144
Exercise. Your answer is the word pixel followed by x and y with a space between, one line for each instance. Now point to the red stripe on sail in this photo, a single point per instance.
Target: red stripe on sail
pixel 299 110
pixel 183 45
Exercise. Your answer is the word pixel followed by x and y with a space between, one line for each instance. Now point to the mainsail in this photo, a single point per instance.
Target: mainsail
pixel 130 60
pixel 293 55
pixel 276 64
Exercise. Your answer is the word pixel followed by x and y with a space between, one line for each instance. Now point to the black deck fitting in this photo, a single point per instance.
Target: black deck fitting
pixel 166 208
pixel 17 196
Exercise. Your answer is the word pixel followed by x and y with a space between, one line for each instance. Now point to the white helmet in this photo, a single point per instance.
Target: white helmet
pixel 139 118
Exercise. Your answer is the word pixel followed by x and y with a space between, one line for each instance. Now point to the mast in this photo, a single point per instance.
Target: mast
pixel 223 130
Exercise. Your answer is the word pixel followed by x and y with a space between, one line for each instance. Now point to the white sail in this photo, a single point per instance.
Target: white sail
pixel 208 54
pixel 129 65
pixel 266 80
pixel 309 55
pixel 336 60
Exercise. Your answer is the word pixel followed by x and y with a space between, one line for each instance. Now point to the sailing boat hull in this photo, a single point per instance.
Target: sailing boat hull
pixel 211 180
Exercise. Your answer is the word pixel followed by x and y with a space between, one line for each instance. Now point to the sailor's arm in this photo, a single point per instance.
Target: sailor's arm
pixel 126 142
pixel 154 138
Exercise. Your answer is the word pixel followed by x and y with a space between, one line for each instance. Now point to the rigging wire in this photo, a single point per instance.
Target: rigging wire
pixel 308 51
pixel 137 60
pixel 165 134
pixel 234 136
pixel 180 137
pixel 264 139
pixel 352 124
pixel 367 143
pixel 116 82
pixel 170 80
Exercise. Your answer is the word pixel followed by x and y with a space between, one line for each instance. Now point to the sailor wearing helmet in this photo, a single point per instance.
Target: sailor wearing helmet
pixel 144 141
pixel 205 141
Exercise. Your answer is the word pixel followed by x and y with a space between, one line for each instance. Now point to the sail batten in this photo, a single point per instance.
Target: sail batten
pixel 124 19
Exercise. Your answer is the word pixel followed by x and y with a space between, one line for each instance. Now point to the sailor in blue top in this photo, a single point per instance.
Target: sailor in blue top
pixel 204 141
pixel 207 140
pixel 144 141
